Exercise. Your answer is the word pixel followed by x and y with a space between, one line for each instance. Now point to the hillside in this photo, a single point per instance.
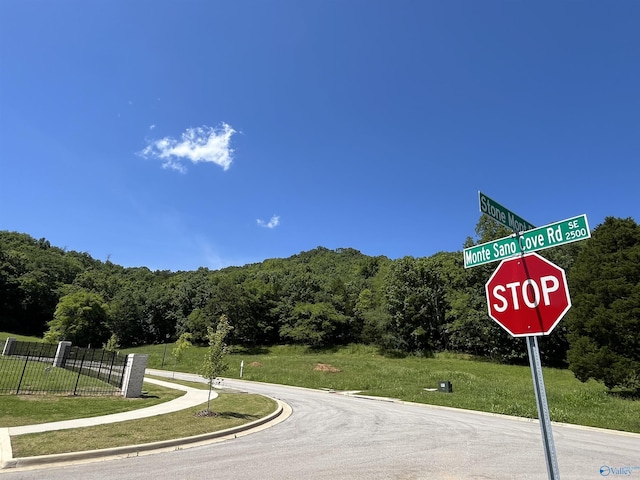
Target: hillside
pixel 324 298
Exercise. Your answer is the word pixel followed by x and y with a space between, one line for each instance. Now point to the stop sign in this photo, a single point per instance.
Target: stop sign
pixel 528 295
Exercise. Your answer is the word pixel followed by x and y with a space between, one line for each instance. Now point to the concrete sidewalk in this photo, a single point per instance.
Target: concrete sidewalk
pixel 191 398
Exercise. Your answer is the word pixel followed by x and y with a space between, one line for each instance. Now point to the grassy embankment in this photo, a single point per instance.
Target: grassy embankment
pixel 477 384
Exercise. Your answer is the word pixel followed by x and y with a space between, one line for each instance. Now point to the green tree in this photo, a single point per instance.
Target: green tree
pixel 214 363
pixel 196 324
pixel 415 300
pixel 604 323
pixel 314 324
pixel 113 344
pixel 182 344
pixel 32 273
pixel 125 318
pixel 160 313
pixel 80 318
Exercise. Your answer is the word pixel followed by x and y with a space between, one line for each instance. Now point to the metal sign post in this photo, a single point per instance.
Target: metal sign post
pixel 543 409
pixel 524 285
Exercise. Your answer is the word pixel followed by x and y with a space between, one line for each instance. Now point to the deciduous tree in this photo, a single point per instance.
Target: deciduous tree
pixel 214 363
pixel 80 318
pixel 182 344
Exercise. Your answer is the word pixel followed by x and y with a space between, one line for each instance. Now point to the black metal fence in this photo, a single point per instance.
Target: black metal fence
pixel 32 368
pixel 35 349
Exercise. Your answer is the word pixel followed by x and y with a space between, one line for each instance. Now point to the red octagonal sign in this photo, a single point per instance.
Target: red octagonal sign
pixel 528 295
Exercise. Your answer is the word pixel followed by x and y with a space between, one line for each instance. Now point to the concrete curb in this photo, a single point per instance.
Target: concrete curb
pixel 6 453
pixel 357 394
pixel 488 414
pixel 282 412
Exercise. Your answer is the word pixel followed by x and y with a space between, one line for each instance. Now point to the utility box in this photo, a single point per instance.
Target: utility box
pixel 445 387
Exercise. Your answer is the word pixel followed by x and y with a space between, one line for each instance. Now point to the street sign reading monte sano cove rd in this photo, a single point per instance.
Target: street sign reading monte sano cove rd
pixel 502 215
pixel 528 295
pixel 552 235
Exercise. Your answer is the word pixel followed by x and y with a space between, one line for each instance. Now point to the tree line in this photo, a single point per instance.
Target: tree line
pixel 325 298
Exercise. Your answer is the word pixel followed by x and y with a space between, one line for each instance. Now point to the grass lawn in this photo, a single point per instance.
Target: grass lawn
pixel 35 377
pixel 21 338
pixel 233 409
pixel 477 385
pixel 17 410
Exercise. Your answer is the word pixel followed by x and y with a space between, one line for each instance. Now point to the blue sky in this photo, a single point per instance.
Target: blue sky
pixel 181 134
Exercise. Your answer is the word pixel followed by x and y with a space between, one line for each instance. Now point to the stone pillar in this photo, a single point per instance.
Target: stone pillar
pixel 9 346
pixel 134 375
pixel 62 353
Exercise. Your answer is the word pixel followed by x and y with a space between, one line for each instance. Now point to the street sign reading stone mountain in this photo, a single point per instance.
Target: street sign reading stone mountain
pixel 527 295
pixel 502 214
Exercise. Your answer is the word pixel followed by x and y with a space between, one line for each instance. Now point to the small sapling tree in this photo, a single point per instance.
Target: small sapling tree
pixel 214 363
pixel 182 344
pixel 113 344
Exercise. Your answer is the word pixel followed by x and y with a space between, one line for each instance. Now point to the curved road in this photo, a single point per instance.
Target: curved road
pixel 333 436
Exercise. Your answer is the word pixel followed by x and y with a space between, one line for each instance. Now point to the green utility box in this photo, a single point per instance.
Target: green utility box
pixel 445 387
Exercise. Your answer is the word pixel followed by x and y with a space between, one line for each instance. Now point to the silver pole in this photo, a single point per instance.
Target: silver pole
pixel 543 408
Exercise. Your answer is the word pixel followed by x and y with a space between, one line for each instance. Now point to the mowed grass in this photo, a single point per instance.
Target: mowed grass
pixel 30 409
pixel 477 385
pixel 17 410
pixel 31 377
pixel 232 409
pixel 21 338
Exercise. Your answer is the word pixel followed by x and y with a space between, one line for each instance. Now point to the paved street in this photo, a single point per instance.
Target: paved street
pixel 332 436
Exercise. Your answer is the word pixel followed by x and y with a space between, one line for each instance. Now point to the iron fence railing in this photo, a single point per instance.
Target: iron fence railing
pixel 35 349
pixel 101 364
pixel 31 368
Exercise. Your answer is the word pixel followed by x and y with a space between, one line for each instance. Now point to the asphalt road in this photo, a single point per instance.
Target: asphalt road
pixel 333 436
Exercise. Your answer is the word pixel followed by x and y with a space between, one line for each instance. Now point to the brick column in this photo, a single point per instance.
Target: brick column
pixel 134 375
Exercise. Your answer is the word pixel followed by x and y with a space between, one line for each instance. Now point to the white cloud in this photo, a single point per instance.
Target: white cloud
pixel 273 223
pixel 151 127
pixel 201 144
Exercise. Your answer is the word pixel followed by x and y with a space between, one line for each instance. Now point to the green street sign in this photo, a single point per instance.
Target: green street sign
pixel 552 235
pixel 503 215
